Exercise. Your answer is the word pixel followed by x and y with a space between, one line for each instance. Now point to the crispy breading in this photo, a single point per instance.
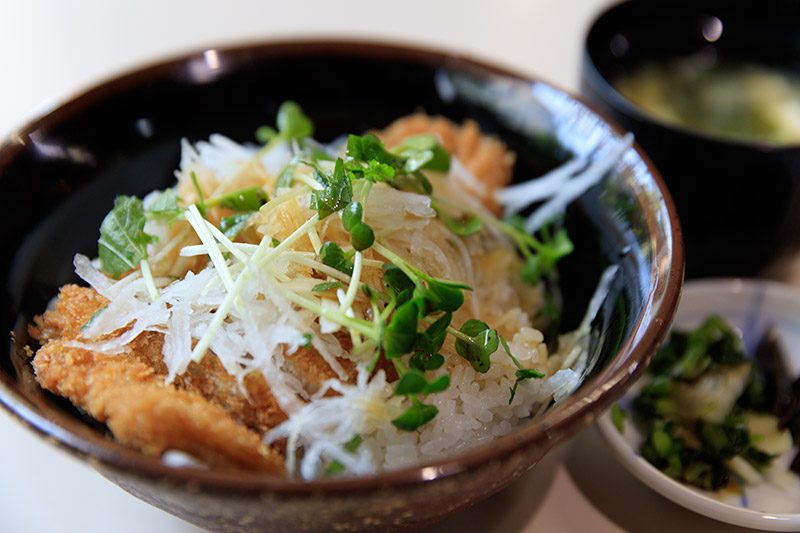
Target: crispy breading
pixel 205 411
pixel 205 390
pixel 145 413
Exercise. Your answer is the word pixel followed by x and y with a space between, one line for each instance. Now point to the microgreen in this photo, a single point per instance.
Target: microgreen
pixel 332 255
pixel 431 340
pixel 426 361
pixel 414 382
pixel 368 148
pixel 336 192
pixel 361 236
pixel 292 124
pixel 544 263
pixel 201 199
pixel 480 343
pixel 123 242
pixel 401 332
pixel 423 152
pixel 351 446
pixel 411 319
pixel 286 177
pixel 415 416
pixel 370 160
pixel 326 286
pixel 233 225
pixel 333 468
pixel 249 199
pixel 463 226
pixel 164 207
pixel 443 295
pixel 395 279
pixel 521 374
pixel 307 340
pixel 265 134
pixel 352 214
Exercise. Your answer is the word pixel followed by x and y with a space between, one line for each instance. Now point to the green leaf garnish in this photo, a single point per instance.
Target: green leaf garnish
pixel 164 207
pixel 336 467
pixel 333 468
pixel 550 251
pixel 415 416
pixel 401 332
pixel 351 215
pixel 368 148
pixel 247 200
pixel 123 242
pixel 482 344
pixel 423 152
pixel 426 361
pixel 332 255
pixel 233 225
pixel 265 134
pixel 201 199
pixel 522 374
pixel 412 382
pixel 464 226
pixel 307 340
pixel 438 385
pixel 444 295
pixel 395 279
pixel 336 192
pixel 353 444
pixel 431 340
pixel 326 286
pixel 286 177
pixel 361 236
pixel 292 121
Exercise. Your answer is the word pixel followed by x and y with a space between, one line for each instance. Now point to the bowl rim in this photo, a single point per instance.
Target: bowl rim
pixel 606 90
pixel 648 329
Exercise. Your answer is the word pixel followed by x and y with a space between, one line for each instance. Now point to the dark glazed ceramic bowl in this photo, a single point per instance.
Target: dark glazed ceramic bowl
pixel 738 202
pixel 64 169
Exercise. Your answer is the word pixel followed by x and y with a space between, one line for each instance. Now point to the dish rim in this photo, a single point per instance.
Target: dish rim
pixel 648 328
pixel 674 490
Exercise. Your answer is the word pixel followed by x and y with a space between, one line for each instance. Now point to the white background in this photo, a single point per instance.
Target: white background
pixel 50 50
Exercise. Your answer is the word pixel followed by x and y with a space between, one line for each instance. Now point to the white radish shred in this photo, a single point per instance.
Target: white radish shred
pixel 578 185
pixel 198 223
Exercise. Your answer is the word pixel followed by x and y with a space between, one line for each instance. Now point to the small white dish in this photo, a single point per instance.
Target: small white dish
pixel 751 306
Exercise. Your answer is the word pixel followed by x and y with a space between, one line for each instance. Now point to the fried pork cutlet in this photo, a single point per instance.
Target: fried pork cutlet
pixel 204 412
pixel 130 395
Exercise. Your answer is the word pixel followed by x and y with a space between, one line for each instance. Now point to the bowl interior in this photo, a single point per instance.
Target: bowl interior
pixel 64 170
pixel 712 179
pixel 636 33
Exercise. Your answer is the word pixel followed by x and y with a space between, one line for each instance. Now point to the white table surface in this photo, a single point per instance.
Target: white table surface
pixel 52 49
